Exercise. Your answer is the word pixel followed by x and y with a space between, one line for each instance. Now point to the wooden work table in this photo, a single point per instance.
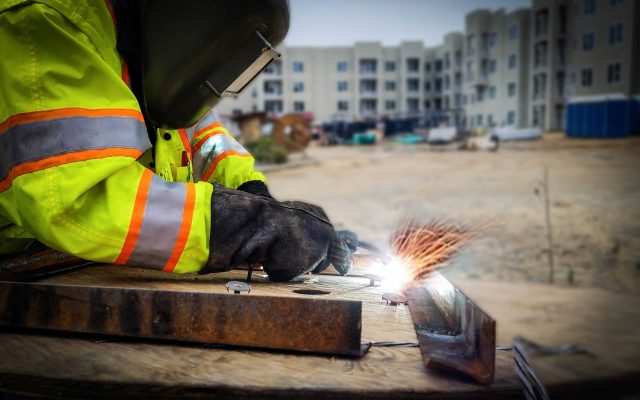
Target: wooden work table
pixel 75 366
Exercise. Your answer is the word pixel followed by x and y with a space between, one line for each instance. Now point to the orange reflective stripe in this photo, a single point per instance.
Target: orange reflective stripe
pixel 185 141
pixel 113 15
pixel 125 73
pixel 68 112
pixel 206 128
pixel 185 228
pixel 67 158
pixel 219 158
pixel 204 139
pixel 136 218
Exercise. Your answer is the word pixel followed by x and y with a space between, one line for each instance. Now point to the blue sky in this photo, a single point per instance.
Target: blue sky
pixel 342 22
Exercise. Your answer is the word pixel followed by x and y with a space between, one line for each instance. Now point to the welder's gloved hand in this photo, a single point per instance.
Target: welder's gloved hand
pixel 340 253
pixel 288 238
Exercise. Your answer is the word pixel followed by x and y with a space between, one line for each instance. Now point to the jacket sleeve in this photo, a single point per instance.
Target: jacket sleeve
pixel 69 141
pixel 218 157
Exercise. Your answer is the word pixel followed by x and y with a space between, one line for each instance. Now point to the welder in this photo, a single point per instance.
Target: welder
pixel 109 150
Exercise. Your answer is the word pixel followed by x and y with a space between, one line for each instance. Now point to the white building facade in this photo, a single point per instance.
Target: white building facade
pixel 518 69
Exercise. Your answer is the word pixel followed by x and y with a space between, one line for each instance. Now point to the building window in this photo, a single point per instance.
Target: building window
pixel 613 72
pixel 492 92
pixel 479 119
pixel 273 106
pixel 343 105
pixel 587 77
pixel 493 39
pixel 298 106
pixel 512 61
pixel 274 68
pixel 389 66
pixel 615 34
pixel 368 106
pixel 413 104
pixel 368 86
pixel 413 85
pixel 427 104
pixel 273 87
pixel 427 67
pixel 368 66
pixel 389 105
pixel 464 100
pixel 493 66
pixel 588 41
pixel 389 86
pixel 413 65
pixel 511 118
pixel 298 66
pixel 511 89
pixel 589 7
pixel 343 86
pixel 513 32
pixel 236 111
pixel 437 66
pixel 427 86
pixel 298 86
pixel 470 45
pixel 342 66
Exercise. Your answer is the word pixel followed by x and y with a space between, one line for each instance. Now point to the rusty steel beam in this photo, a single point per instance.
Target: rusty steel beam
pixel 284 323
pixel 453 332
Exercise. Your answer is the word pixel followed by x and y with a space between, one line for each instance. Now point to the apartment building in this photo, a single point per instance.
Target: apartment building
pixel 604 56
pixel 496 68
pixel 524 68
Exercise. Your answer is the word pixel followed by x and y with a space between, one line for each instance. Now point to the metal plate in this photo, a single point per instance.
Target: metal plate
pixel 285 323
pixel 453 332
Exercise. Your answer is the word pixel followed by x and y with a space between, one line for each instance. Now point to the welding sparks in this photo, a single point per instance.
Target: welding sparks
pixel 420 247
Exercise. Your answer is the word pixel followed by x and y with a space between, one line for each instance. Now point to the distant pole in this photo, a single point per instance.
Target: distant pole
pixel 548 218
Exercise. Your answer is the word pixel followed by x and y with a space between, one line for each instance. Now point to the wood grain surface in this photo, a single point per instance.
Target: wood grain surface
pixel 98 367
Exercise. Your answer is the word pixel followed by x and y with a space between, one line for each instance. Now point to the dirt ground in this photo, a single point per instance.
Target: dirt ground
pixel 594 199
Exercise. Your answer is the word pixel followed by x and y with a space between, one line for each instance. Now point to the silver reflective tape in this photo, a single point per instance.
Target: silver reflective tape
pixel 212 148
pixel 41 139
pixel 160 224
pixel 210 118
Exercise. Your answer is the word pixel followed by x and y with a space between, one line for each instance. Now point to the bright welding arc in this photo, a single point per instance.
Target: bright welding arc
pixel 423 246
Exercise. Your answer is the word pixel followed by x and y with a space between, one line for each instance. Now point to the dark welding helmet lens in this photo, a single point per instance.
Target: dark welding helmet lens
pixel 195 52
pixel 230 78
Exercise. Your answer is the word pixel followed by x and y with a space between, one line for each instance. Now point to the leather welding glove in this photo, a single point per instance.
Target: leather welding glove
pixel 340 253
pixel 288 238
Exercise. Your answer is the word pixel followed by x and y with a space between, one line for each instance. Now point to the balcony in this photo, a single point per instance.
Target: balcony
pixel 368 67
pixel 272 88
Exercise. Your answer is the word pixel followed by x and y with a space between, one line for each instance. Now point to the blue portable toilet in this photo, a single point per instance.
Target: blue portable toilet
pixel 603 117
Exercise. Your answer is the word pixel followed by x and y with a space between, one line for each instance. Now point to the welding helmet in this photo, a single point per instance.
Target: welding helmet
pixel 195 52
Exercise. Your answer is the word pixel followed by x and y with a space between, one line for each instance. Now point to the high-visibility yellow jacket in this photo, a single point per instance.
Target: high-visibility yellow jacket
pixel 72 140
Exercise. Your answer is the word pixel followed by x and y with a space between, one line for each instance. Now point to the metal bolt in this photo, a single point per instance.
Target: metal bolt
pixel 238 287
pixel 373 279
pixel 395 299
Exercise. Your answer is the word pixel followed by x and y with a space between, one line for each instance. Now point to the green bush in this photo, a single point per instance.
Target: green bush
pixel 267 150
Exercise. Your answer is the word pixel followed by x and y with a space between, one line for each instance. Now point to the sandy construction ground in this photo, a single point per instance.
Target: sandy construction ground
pixel 594 189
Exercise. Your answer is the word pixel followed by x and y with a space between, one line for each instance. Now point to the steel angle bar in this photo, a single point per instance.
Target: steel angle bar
pixel 283 323
pixel 453 332
pixel 37 263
